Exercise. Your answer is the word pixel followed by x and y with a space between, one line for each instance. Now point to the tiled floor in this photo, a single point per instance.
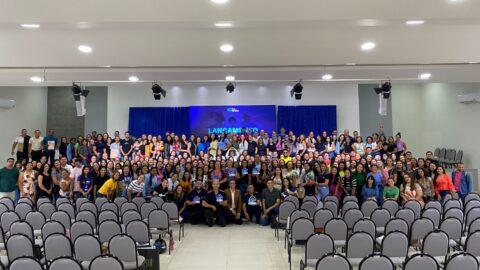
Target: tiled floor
pixel 247 246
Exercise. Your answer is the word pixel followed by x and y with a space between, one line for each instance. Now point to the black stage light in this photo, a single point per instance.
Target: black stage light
pixel 230 87
pixel 385 89
pixel 297 90
pixel 158 91
pixel 79 96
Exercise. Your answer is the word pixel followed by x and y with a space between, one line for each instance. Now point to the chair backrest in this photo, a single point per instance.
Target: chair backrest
pixel 90 207
pixel 146 208
pixel 452 203
pixel 333 261
pixel 321 217
pixel 36 219
pixel 368 207
pixel 100 201
pixel 127 207
pixel 470 197
pixel 452 227
pixel 331 198
pixel 139 231
pixel 433 214
pixel 8 202
pixel 25 200
pixel 459 156
pixel 22 227
pixel 302 228
pixel 3 208
pixel 130 215
pixel 352 216
pixel 47 209
pixel 107 215
pixel 285 209
pixel 19 245
pixel 406 214
pixel 474 226
pixel 124 248
pixel 434 204
pixel 365 225
pixel 87 247
pixel 63 218
pixel 22 209
pixel 318 245
pixel 421 261
pixel 360 245
pixel 105 262
pixel 471 204
pixel 462 261
pixel 67 208
pixel 157 201
pixel 442 153
pixel 80 228
pixel 414 206
pixel 395 244
pixel 436 152
pixel 139 201
pixel 420 228
pixel 310 199
pixel 472 244
pixel 56 246
pixel 396 224
pixel 64 263
pixel 43 200
pixel 7 219
pixel 60 201
pixel 108 229
pixel 22 263
pixel 158 219
pixel 171 209
pixel 472 214
pixel 436 244
pixel 119 201
pixel 79 202
pixel 337 229
pixel 349 205
pixel 391 206
pixel 88 216
pixel 380 217
pixel 296 215
pixel 294 200
pixel 109 206
pixel 350 199
pixel 310 207
pixel 455 213
pixel 51 227
pixel 332 206
pixel 376 262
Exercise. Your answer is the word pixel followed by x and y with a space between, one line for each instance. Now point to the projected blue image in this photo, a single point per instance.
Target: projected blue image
pixel 217 119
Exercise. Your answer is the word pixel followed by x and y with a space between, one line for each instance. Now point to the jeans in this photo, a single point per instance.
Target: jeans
pixel 270 218
pixel 243 188
pixel 443 193
pixel 50 156
pixel 322 192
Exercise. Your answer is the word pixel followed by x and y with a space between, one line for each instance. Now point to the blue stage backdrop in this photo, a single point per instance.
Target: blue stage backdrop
pixel 217 119
pixel 303 119
pixel 158 120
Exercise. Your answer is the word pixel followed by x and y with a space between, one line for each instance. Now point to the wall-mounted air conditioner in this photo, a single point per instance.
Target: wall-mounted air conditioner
pixel 469 98
pixel 7 103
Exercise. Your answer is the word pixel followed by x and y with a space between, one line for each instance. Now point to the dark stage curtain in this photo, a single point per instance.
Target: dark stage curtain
pixel 159 120
pixel 303 119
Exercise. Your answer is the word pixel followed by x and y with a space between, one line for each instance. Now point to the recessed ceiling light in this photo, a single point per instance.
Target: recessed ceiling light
pixel 226 48
pixel 473 62
pixel 425 76
pixel 30 25
pixel 85 48
pixel 219 1
pixel 455 1
pixel 327 77
pixel 223 25
pixel 230 78
pixel 414 22
pixel 133 78
pixel 350 64
pixel 368 46
pixel 105 66
pixel 36 79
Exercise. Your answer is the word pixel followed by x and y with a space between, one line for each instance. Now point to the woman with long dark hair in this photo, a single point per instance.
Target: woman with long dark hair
pixel 45 182
pixel 443 184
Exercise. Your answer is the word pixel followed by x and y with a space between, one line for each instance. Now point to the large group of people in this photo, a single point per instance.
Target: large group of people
pixel 226 178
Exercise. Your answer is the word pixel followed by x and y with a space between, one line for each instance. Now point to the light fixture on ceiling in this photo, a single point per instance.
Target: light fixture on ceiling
pixel 30 25
pixel 297 91
pixel 414 22
pixel 230 87
pixel 36 79
pixel 158 91
pixel 350 64
pixel 425 76
pixel 367 46
pixel 226 48
pixel 384 88
pixel 230 78
pixel 133 79
pixel 327 77
pixel 85 49
pixel 473 62
pixel 223 25
pixel 219 1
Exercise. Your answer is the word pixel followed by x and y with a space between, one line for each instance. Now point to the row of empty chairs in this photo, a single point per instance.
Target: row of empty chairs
pixel 448 157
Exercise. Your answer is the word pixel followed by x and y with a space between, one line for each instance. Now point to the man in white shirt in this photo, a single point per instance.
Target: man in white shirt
pixel 21 144
pixel 35 146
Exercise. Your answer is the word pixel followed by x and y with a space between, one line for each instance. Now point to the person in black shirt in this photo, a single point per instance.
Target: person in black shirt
pixel 214 205
pixel 162 191
pixel 126 146
pixel 99 180
pixel 194 210
pixel 252 202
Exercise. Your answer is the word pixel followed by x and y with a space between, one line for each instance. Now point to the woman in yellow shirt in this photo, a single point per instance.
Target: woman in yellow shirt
pixel 110 187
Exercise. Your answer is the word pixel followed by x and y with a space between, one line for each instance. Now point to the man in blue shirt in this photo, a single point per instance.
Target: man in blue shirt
pixel 50 145
pixel 194 210
pixel 214 205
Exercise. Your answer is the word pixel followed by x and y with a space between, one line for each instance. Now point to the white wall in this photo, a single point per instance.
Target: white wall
pixel 30 112
pixel 344 96
pixel 429 116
